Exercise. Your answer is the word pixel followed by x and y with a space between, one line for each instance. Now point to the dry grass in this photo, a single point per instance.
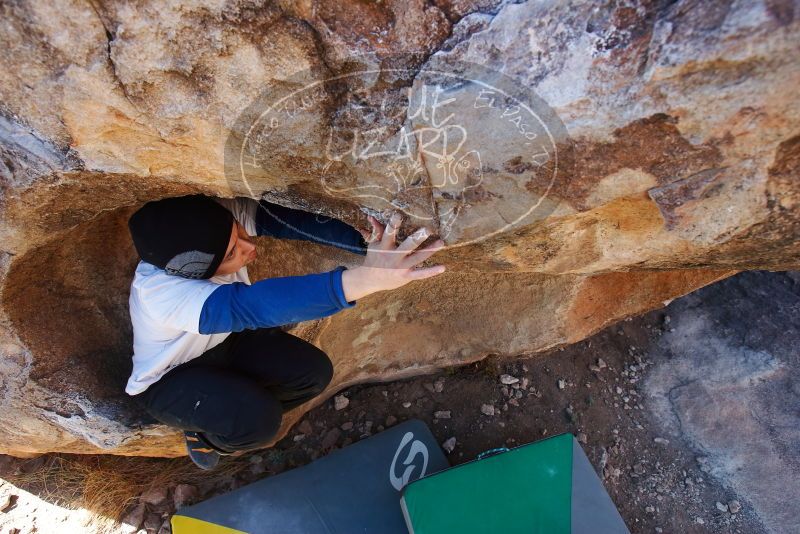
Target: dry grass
pixel 107 485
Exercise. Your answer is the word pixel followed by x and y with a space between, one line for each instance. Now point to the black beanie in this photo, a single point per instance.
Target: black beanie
pixel 186 236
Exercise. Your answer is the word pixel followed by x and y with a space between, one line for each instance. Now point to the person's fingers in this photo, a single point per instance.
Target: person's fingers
pixel 371 234
pixel 413 241
pixel 388 239
pixel 377 229
pixel 427 272
pixel 422 254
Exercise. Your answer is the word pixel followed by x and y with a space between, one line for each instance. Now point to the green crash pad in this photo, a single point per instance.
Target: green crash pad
pixel 546 487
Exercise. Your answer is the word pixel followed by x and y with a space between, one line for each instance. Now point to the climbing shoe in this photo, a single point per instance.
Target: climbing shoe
pixel 201 452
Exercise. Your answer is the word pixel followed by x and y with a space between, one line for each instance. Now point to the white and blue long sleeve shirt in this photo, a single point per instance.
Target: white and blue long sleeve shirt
pixel 176 319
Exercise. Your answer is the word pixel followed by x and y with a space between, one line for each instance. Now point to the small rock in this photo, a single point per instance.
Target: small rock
pixel 638 469
pixel 152 522
pixel 487 409
pixel 661 441
pixel 508 379
pixel 438 386
pixel 699 521
pixel 298 438
pixel 611 472
pixel 618 390
pixel 449 445
pixel 722 507
pixel 153 496
pixel 134 519
pixel 305 427
pixel 5 502
pixel 594 368
pixel 340 402
pixel 330 439
pixel 649 509
pixel 582 438
pixel 429 387
pixel 601 364
pixel 347 426
pixel 571 415
pixel 256 459
pixel 442 414
pixel 166 527
pixel 524 383
pixel 734 507
pixel 406 405
pixel 513 402
pixel 183 494
pixel 562 383
pixel 390 420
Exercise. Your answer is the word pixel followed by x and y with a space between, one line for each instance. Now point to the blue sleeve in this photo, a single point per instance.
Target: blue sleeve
pixel 281 222
pixel 273 302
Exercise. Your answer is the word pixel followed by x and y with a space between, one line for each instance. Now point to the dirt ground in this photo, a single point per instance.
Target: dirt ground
pixel 661 478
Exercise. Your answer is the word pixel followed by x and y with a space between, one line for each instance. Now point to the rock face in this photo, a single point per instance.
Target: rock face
pixel 729 390
pixel 583 162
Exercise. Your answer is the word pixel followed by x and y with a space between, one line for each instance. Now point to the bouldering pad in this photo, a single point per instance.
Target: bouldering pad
pixel 354 489
pixel 545 487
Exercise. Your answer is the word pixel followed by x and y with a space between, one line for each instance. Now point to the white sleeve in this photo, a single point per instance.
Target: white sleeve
pixel 176 302
pixel 244 211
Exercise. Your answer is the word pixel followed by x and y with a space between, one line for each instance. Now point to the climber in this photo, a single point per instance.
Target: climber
pixel 209 356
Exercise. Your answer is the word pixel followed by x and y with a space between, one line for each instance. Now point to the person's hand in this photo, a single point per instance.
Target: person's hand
pixel 388 265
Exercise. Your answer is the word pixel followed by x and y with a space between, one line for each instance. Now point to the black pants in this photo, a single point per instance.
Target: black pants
pixel 236 393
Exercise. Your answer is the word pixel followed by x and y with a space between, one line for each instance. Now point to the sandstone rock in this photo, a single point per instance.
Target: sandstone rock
pixel 305 427
pixel 677 149
pixel 184 494
pixel 152 522
pixel 340 402
pixel 330 439
pixel 154 495
pixel 134 519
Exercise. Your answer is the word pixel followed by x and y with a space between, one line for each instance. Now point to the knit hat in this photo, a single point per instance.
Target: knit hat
pixel 186 236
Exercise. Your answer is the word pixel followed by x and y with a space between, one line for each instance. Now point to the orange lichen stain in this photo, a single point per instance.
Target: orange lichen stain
pixel 605 298
pixel 635 214
pixel 653 145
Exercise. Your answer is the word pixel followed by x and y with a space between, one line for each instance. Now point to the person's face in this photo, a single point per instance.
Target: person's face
pixel 241 251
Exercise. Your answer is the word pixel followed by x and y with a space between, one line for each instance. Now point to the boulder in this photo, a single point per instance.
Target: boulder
pixel 584 162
